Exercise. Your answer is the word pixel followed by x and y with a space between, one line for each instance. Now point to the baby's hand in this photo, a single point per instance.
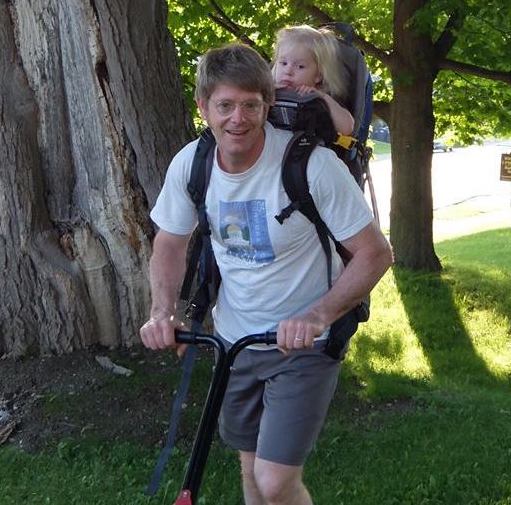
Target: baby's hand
pixel 304 90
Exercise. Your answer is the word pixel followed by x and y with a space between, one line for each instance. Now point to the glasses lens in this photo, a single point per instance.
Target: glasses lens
pixel 225 108
pixel 250 108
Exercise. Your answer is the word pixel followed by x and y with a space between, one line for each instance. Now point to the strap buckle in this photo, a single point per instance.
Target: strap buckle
pixel 346 141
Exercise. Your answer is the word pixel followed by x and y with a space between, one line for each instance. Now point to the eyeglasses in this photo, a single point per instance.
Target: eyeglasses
pixel 249 108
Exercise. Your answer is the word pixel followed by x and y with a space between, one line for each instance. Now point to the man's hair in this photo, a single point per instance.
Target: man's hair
pixel 325 49
pixel 235 65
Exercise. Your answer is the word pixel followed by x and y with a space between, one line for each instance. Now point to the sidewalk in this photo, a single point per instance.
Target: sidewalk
pixel 474 215
pixel 468 196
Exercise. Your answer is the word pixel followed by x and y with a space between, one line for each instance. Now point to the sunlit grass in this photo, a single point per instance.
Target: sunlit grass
pixel 419 319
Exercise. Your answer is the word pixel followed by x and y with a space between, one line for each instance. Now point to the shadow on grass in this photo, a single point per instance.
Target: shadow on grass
pixel 433 315
pixel 383 384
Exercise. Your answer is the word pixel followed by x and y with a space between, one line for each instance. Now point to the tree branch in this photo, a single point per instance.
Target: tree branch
pixel 223 20
pixel 467 68
pixel 381 109
pixel 447 38
pixel 323 18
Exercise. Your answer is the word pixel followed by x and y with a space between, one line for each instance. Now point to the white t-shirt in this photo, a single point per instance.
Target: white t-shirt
pixel 269 271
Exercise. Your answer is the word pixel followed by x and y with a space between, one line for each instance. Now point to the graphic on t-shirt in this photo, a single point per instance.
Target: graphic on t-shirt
pixel 244 230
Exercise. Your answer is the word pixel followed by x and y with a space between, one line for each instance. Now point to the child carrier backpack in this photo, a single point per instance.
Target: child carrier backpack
pixel 308 117
pixel 309 113
pixel 202 270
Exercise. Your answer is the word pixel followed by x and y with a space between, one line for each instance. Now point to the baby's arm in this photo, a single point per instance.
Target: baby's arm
pixel 341 118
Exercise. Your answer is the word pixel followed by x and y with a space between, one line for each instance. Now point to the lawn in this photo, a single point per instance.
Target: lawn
pixel 379 148
pixel 422 415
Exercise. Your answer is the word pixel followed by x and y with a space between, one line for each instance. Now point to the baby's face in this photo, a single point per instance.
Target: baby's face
pixel 295 66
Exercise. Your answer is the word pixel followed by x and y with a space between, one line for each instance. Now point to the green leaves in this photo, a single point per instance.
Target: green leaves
pixel 472 107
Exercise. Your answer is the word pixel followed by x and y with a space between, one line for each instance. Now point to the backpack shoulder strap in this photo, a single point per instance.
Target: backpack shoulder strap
pixel 201 168
pixel 294 173
pixel 296 185
pixel 197 188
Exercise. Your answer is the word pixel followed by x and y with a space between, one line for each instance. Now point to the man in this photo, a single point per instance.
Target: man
pixel 273 276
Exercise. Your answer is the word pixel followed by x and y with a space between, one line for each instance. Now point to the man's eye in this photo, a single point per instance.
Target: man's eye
pixel 251 107
pixel 224 107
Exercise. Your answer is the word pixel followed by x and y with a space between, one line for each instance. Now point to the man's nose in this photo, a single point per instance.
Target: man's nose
pixel 237 114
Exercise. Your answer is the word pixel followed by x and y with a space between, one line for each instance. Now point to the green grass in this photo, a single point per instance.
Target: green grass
pixel 379 148
pixel 422 415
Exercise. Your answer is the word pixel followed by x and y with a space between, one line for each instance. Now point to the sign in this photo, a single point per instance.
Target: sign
pixel 505 167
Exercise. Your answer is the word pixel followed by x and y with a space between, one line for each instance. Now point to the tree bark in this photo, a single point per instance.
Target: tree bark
pixel 412 126
pixel 91 111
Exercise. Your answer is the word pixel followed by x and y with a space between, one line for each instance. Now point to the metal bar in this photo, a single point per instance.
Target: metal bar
pixel 213 404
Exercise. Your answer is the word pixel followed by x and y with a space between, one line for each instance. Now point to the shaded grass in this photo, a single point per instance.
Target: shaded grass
pixel 423 414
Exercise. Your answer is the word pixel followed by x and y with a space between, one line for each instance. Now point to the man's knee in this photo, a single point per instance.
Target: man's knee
pixel 275 482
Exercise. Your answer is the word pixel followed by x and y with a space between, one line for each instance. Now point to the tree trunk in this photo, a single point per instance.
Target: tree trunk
pixel 413 71
pixel 91 111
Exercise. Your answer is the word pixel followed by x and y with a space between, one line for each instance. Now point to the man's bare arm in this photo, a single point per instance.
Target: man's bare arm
pixel 372 256
pixel 166 271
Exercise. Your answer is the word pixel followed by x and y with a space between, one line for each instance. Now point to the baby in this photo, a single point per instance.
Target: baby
pixel 307 60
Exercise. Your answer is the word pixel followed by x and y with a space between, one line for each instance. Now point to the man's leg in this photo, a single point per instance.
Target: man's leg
pixel 250 491
pixel 282 429
pixel 267 483
pixel 280 484
pixel 297 394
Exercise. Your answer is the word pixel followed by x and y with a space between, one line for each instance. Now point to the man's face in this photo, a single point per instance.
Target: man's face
pixel 236 118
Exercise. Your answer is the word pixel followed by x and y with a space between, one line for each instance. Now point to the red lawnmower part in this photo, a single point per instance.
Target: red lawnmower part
pixel 184 498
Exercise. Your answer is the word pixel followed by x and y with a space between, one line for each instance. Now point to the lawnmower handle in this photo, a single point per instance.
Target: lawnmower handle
pixel 225 357
pixel 193 338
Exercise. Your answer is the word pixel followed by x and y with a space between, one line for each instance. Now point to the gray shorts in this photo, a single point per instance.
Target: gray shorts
pixel 276 404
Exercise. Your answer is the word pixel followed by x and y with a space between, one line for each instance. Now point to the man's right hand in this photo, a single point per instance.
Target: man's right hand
pixel 158 333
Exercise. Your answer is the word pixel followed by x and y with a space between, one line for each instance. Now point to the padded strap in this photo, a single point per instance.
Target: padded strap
pixel 197 187
pixel 294 180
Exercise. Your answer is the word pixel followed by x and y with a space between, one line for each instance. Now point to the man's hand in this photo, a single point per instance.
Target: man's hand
pixel 298 333
pixel 159 333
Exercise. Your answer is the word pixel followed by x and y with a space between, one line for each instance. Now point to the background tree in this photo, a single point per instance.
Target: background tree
pixel 91 111
pixel 440 64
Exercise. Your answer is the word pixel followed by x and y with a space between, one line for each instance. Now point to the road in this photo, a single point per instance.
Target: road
pixel 466 177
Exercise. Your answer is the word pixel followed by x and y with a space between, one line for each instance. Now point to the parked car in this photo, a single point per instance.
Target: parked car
pixel 442 145
pixel 380 133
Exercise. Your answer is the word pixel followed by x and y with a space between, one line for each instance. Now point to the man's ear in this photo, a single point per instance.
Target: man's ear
pixel 202 104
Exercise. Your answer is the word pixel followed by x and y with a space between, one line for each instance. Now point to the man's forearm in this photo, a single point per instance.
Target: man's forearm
pixel 167 268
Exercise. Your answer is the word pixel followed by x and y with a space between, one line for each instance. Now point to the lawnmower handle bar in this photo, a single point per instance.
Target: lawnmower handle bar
pixel 193 338
pixel 224 360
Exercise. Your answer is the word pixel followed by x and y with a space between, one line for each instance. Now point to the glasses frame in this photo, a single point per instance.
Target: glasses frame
pixel 249 108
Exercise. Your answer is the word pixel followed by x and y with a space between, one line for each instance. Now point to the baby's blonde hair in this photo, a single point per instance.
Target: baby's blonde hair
pixel 325 49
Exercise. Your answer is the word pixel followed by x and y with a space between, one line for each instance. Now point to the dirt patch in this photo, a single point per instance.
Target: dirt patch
pixel 44 400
